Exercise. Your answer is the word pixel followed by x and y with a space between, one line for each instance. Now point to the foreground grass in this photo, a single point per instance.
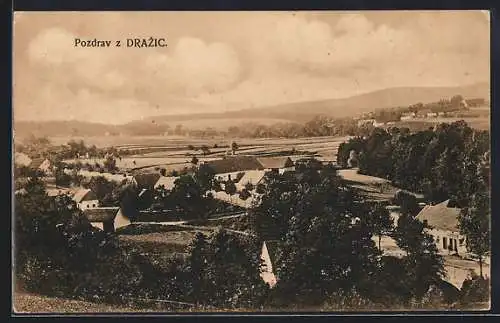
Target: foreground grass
pixel 24 303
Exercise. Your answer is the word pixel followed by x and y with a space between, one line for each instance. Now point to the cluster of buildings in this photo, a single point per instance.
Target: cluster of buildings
pixel 244 170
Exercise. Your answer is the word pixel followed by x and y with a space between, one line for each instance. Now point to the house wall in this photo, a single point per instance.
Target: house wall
pixel 83 205
pixel 267 273
pixel 121 220
pixel 443 239
pixel 225 176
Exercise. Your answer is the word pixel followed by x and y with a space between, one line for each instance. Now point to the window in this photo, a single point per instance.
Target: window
pixel 93 205
pixel 444 243
pixel 461 241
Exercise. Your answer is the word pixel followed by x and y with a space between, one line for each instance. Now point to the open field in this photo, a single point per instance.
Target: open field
pixel 482 123
pixel 174 154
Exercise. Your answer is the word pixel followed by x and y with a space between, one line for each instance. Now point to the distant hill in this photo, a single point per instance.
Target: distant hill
pixel 345 107
pixel 294 112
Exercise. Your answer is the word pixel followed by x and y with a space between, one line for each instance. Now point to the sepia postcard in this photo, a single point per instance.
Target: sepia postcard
pixel 251 161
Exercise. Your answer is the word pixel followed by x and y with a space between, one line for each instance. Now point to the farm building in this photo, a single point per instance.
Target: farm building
pixel 277 164
pixel 423 113
pixel 106 218
pixel 146 180
pixel 235 199
pixel 234 164
pixel 85 199
pixel 21 159
pixel 253 177
pixel 168 182
pixel 443 223
pixel 42 164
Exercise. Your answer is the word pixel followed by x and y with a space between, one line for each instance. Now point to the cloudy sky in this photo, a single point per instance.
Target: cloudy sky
pixel 219 61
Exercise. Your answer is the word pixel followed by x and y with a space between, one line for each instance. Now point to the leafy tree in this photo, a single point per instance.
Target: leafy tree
pixel 205 177
pixel 423 264
pixel 225 269
pixel 249 186
pixel 407 202
pixel 474 222
pixel 230 187
pixel 234 147
pixel 188 197
pixel 194 160
pixel 110 164
pixel 380 221
pixel 103 189
pixel 244 194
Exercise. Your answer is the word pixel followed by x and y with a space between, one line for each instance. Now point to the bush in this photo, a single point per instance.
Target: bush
pixel 475 289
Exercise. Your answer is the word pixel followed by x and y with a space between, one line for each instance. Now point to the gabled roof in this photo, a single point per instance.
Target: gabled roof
pixel 84 194
pixel 251 176
pixel 101 214
pixel 37 162
pixel 275 162
pixel 234 164
pixel 440 216
pixel 168 182
pixel 146 180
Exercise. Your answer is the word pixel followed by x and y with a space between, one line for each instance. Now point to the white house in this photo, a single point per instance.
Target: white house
pixel 277 164
pixel 85 199
pixel 443 222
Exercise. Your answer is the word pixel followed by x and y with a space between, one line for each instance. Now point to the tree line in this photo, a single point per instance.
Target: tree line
pixel 449 161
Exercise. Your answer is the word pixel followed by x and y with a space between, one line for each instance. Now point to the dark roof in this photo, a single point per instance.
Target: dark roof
pixel 275 162
pixel 146 180
pixel 440 216
pixel 101 214
pixel 36 162
pixel 234 164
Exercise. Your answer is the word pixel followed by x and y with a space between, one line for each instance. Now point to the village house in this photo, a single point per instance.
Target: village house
pixel 432 114
pixel 408 116
pixel 277 164
pixel 254 177
pixel 107 219
pixel 42 164
pixel 167 182
pixel 229 167
pixel 423 113
pixel 443 223
pixel 85 199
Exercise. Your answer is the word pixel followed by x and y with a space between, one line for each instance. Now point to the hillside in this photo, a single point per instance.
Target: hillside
pixel 345 107
pixel 293 112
